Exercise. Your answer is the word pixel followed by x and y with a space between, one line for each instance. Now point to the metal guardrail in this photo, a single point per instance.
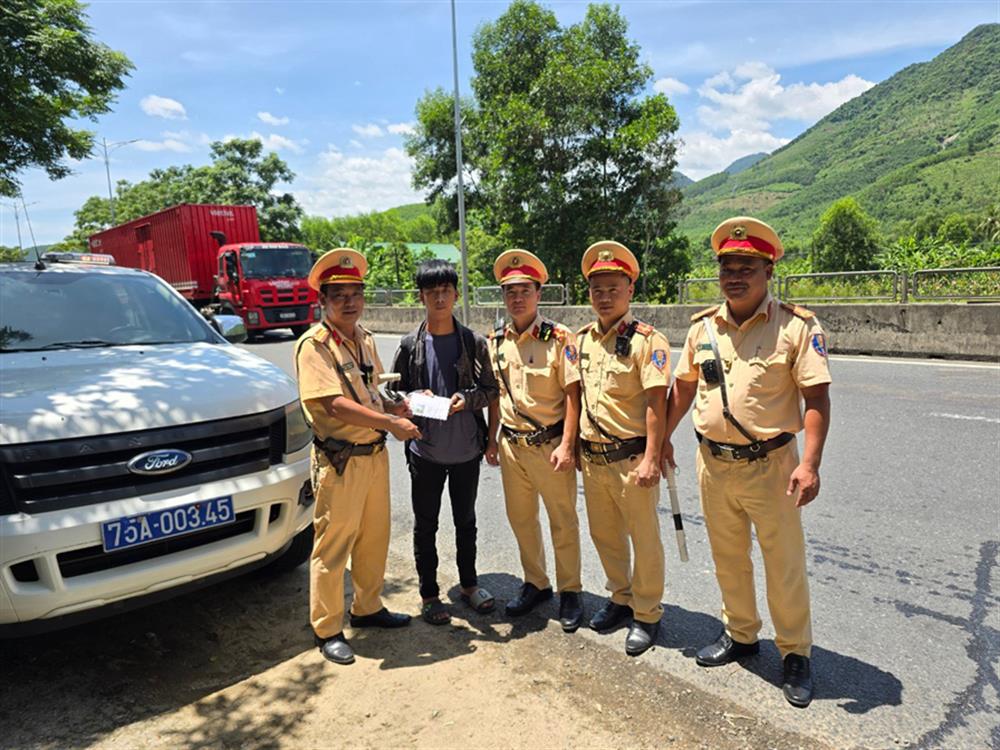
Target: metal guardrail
pixel 392 297
pixel 845 281
pixel 984 284
pixel 490 296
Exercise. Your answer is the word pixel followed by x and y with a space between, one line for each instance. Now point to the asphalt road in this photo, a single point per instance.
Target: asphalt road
pixel 903 548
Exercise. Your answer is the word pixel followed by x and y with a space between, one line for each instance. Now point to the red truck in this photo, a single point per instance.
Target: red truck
pixel 213 256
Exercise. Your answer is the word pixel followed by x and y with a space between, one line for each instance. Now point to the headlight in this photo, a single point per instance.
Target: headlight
pixel 253 317
pixel 297 432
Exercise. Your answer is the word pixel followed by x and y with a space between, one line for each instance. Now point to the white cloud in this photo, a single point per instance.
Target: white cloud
pixel 278 90
pixel 355 144
pixel 670 87
pixel 401 128
pixel 751 96
pixel 371 130
pixel 161 106
pixel 273 120
pixel 702 153
pixel 167 144
pixel 353 184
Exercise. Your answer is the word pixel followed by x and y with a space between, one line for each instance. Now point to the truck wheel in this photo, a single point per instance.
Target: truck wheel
pixel 297 553
pixel 299 330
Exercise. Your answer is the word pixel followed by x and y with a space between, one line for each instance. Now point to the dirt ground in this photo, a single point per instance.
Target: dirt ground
pixel 234 667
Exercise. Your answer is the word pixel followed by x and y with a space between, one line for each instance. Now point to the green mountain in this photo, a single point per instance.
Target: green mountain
pixel 680 180
pixel 744 163
pixel 925 140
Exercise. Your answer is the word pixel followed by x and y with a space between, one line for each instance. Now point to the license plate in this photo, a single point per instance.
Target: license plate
pixel 132 531
pixel 287 316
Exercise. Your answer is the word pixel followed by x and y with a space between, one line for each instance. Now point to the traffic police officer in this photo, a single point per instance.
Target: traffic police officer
pixel 538 413
pixel 338 368
pixel 746 364
pixel 625 368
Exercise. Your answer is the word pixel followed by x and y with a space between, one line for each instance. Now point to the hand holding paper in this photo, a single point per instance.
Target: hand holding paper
pixel 430 407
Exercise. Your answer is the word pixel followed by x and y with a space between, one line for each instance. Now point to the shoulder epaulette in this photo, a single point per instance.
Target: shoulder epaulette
pixel 705 313
pixel 365 330
pixel 798 311
pixel 321 334
pixel 585 329
pixel 644 328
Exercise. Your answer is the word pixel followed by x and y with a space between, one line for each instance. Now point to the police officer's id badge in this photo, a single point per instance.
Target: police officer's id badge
pixel 819 344
pixel 658 358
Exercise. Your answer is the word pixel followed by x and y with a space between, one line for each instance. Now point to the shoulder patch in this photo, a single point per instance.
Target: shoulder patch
pixel 798 311
pixel 705 313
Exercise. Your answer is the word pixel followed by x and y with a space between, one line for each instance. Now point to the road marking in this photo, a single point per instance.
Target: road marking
pixel 920 362
pixel 965 416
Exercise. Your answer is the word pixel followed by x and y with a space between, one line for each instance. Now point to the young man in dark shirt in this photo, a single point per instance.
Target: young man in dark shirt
pixel 444 358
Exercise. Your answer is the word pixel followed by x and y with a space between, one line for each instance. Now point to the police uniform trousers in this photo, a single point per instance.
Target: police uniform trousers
pixel 351 521
pixel 526 474
pixel 735 494
pixel 618 510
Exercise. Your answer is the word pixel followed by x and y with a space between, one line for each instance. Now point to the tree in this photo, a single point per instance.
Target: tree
pixel 240 174
pixel 52 73
pixel 563 147
pixel 846 239
pixel 955 229
pixel 11 254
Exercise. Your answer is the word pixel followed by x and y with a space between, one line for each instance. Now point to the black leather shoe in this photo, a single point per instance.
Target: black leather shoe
pixel 381 619
pixel 610 616
pixel 724 651
pixel 335 649
pixel 529 597
pixel 797 684
pixel 641 637
pixel 570 611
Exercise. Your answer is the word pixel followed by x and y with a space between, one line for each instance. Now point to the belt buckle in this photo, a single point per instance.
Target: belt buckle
pixel 728 451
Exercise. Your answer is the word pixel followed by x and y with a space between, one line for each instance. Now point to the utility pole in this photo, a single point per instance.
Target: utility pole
pixel 458 165
pixel 107 169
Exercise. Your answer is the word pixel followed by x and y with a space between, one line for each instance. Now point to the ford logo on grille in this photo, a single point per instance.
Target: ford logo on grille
pixel 159 462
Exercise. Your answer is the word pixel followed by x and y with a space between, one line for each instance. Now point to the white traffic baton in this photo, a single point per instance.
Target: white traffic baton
pixel 675 509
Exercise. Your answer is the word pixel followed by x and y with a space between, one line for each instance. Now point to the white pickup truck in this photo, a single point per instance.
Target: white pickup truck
pixel 141 453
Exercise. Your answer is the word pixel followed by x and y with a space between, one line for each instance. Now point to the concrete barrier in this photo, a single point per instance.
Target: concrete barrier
pixel 951 331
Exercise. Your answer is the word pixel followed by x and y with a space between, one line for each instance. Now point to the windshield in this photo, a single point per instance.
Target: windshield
pixel 274 262
pixel 51 310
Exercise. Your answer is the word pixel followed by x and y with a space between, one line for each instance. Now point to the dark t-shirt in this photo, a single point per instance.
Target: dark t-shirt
pixel 455 440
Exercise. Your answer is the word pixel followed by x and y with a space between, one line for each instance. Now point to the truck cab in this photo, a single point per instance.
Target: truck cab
pixel 266 284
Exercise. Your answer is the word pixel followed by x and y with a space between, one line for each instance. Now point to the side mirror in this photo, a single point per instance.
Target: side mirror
pixel 231 327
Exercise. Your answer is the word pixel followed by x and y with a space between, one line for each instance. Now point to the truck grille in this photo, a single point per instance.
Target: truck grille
pixel 59 474
pixel 273 314
pixel 271 296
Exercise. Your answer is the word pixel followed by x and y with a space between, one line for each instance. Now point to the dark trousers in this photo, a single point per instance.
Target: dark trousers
pixel 426 487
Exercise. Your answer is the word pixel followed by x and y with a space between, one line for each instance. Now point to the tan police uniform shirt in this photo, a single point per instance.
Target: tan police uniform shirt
pixel 318 352
pixel 777 351
pixel 615 386
pixel 538 373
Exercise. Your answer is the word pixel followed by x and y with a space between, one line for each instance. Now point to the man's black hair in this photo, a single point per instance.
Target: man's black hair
pixel 432 273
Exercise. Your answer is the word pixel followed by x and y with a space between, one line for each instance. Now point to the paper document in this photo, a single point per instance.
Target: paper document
pixel 431 407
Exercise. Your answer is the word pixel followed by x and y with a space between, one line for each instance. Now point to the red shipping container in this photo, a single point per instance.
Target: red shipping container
pixel 177 245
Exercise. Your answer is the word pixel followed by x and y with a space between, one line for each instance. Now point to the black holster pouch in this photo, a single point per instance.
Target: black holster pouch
pixel 338 452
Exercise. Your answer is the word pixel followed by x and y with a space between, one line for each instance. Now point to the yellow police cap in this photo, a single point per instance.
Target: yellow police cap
pixel 607 256
pixel 519 266
pixel 341 266
pixel 744 235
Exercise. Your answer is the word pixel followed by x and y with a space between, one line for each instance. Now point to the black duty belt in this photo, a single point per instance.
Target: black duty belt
pixel 750 452
pixel 340 451
pixel 609 453
pixel 534 437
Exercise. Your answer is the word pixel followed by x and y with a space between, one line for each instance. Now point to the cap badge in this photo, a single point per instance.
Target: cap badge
pixel 738 233
pixel 516 260
pixel 346 261
pixel 605 255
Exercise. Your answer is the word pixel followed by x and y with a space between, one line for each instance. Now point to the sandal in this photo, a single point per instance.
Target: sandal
pixel 435 613
pixel 480 600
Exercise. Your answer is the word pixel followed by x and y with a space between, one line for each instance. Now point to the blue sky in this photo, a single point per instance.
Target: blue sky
pixel 331 86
